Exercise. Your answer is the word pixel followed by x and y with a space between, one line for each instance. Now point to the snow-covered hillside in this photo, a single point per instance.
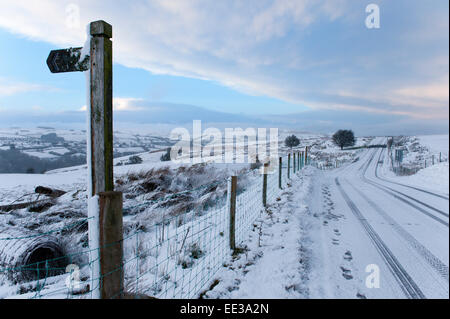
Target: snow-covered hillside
pixel 314 240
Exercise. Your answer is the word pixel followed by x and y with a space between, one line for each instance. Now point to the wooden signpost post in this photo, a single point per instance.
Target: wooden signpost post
pixel 105 205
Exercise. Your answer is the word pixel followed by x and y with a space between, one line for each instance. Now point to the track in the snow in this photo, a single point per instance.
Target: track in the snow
pixel 429 257
pixel 392 192
pixel 408 186
pixel 407 284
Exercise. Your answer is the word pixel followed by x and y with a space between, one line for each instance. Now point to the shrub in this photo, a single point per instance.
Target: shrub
pixel 134 160
pixel 166 157
pixel 291 141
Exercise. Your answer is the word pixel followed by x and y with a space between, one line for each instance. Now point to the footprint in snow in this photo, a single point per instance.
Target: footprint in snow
pixel 346 273
pixel 361 296
pixel 348 256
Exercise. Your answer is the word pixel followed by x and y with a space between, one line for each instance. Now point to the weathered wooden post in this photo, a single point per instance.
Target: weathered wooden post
pixel 104 205
pixel 100 164
pixel 111 245
pixel 440 157
pixel 232 188
pixel 294 166
pixel 289 166
pixel 298 161
pixel 280 171
pixel 264 192
pixel 306 155
pixel 302 160
pixel 101 111
pixel 432 159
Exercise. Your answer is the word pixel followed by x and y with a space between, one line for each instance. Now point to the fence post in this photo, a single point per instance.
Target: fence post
pixel 440 157
pixel 294 163
pixel 264 192
pixel 432 159
pixel 232 189
pixel 298 161
pixel 289 166
pixel 111 245
pixel 306 155
pixel 280 171
pixel 302 164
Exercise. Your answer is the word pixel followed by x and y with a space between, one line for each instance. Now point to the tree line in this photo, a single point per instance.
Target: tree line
pixel 342 138
pixel 14 161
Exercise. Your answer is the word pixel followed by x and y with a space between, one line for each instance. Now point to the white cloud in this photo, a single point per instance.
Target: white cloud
pixel 122 104
pixel 433 91
pixel 8 87
pixel 126 104
pixel 287 49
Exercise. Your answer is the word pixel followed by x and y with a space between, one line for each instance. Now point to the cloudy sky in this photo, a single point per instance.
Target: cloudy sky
pixel 310 64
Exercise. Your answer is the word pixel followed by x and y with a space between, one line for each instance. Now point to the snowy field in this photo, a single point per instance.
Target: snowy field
pixel 434 177
pixel 436 143
pixel 307 244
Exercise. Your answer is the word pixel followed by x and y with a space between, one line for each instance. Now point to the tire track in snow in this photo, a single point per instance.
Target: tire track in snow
pixel 432 260
pixel 398 192
pixel 407 284
pixel 416 188
pixel 381 187
pixel 404 185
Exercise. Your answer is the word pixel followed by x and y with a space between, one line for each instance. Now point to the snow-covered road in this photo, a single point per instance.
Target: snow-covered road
pixel 350 233
pixel 400 230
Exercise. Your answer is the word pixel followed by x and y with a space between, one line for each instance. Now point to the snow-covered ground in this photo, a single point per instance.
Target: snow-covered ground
pixel 432 177
pixel 327 235
pixel 436 143
pixel 346 234
pixel 276 253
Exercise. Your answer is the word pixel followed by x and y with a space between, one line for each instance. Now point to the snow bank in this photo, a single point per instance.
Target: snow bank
pixel 433 177
pixel 436 143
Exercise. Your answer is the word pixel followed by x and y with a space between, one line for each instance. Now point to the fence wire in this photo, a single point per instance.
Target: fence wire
pixel 177 257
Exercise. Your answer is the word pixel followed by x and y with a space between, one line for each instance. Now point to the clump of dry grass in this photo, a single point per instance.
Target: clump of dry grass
pixel 160 194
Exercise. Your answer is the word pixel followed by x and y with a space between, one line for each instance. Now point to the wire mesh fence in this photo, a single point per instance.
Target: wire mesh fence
pixel 177 257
